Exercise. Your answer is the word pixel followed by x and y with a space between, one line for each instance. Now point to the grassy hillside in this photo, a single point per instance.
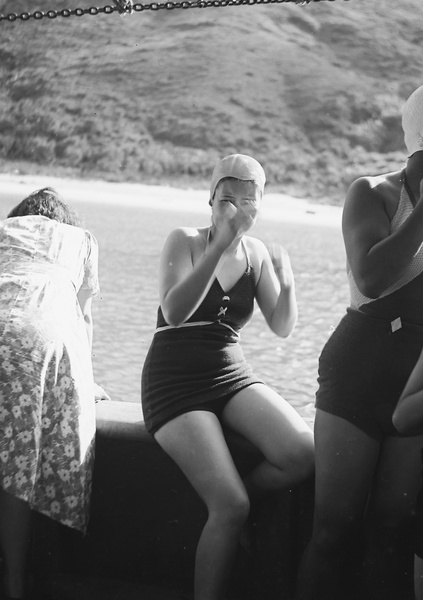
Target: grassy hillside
pixel 314 92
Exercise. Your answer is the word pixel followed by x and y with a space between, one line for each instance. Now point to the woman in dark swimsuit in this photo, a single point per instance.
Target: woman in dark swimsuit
pixel 195 376
pixel 367 475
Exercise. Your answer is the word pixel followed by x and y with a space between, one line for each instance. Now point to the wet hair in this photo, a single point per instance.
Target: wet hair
pixel 46 202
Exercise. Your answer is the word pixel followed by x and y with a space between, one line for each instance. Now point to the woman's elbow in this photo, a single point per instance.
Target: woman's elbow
pixel 171 317
pixel 372 282
pixel 174 322
pixel 283 334
pixel 369 288
pixel 284 330
pixel 405 424
pixel 286 333
pixel 406 428
pixel 88 318
pixel 398 422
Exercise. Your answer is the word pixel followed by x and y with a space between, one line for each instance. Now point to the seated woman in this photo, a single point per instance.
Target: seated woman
pixel 48 276
pixel 196 379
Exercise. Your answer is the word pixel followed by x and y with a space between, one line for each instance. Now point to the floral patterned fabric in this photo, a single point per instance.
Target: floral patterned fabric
pixel 47 409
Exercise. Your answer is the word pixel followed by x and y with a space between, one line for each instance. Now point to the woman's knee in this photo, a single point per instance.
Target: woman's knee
pixel 304 458
pixel 299 458
pixel 231 507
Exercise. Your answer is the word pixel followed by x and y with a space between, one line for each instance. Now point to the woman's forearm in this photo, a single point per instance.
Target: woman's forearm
pixel 182 299
pixel 385 262
pixel 85 303
pixel 285 314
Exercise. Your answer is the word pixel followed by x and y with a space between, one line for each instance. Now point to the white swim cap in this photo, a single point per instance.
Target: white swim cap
pixel 412 121
pixel 239 166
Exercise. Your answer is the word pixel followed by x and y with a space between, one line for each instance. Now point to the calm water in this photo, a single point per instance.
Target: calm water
pixel 130 240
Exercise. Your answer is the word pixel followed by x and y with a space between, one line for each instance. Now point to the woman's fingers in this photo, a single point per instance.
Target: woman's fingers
pixel 100 393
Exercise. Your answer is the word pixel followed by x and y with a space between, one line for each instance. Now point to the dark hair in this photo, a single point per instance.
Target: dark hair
pixel 47 203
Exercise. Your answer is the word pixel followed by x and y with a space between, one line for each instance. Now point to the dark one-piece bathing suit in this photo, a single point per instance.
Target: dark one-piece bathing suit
pixel 200 364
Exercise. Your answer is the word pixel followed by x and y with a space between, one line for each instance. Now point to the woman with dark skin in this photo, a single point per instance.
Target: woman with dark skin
pixel 48 276
pixel 196 379
pixel 367 475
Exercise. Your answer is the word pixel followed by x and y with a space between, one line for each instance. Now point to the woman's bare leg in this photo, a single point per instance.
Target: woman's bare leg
pixel 346 462
pixel 274 426
pixel 388 563
pixel 196 443
pixel 15 518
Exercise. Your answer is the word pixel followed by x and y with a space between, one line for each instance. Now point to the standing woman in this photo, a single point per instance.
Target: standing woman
pixel 196 379
pixel 48 275
pixel 367 474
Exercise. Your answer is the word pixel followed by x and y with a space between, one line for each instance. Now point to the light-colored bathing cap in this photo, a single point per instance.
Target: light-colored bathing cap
pixel 239 166
pixel 412 121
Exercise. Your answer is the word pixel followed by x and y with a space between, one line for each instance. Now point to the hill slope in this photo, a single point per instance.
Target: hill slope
pixel 314 92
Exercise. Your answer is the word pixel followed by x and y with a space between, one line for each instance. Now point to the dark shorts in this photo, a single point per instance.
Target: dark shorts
pixel 363 369
pixel 194 368
pixel 215 406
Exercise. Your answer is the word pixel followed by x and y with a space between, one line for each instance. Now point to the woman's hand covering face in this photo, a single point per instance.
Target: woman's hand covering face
pixel 234 209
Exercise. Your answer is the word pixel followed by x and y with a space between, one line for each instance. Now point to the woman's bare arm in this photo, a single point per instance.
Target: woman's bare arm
pixel 377 259
pixel 276 290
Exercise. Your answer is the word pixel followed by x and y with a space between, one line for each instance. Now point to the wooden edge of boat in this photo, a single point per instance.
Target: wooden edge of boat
pixel 146 520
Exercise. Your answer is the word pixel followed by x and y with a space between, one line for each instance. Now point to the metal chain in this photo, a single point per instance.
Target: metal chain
pixel 127 8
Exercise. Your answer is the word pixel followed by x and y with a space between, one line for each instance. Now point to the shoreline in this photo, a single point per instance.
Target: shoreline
pixel 276 206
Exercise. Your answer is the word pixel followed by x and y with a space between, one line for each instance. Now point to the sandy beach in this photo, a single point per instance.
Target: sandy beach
pixel 276 207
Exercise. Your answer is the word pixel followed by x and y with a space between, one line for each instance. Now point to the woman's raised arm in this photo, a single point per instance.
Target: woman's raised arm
pixel 183 284
pixel 376 257
pixel 276 290
pixel 183 281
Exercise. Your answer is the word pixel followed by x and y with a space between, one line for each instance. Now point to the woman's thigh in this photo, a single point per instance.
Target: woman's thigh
pixel 270 423
pixel 195 441
pixel 346 463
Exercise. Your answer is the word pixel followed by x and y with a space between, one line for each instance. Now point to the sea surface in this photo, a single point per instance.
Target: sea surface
pixel 130 240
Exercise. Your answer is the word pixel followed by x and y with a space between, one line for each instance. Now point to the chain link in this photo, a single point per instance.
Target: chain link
pixel 169 5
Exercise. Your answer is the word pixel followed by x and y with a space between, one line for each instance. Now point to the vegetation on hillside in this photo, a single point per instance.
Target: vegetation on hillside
pixel 314 92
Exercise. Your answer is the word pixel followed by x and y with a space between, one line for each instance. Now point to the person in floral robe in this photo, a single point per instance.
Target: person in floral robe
pixel 48 277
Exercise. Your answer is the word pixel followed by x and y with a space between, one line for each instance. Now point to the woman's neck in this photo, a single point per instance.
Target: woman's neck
pixel 414 173
pixel 414 169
